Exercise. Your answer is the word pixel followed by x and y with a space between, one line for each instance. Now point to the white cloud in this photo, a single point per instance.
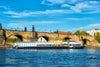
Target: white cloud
pixel 20 25
pixel 13 26
pixel 79 18
pixel 25 14
pixel 52 2
pixel 36 22
pixel 88 27
pixel 65 5
pixel 94 2
pixel 84 7
pixel 48 22
pixel 5 7
pixel 79 6
pixel 18 15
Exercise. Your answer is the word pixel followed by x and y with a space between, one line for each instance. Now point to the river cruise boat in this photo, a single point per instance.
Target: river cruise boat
pixel 73 44
pixel 45 45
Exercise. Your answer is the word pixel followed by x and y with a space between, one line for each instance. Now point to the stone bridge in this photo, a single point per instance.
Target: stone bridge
pixel 55 37
pixel 43 36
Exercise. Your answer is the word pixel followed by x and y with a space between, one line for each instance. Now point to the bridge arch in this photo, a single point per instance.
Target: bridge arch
pixel 66 38
pixel 43 38
pixel 16 35
pixel 85 41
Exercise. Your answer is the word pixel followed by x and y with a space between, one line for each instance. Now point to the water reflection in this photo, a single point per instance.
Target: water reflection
pixel 89 57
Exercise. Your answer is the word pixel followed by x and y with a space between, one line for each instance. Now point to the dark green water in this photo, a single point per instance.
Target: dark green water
pixel 88 57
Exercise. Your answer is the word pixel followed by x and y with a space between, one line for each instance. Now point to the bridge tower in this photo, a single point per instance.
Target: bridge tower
pixel 34 38
pixel 33 29
pixel 0 26
pixel 25 29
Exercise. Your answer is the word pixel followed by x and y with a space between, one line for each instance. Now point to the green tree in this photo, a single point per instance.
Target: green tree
pixel 83 33
pixel 64 40
pixel 77 32
pixel 88 34
pixel 98 37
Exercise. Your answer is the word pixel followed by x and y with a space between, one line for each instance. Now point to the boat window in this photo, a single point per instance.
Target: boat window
pixel 70 44
pixel 78 45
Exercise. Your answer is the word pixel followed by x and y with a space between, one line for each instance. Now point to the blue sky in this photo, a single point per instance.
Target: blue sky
pixel 46 15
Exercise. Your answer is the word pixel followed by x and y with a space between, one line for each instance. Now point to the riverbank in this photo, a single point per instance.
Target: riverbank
pixel 6 46
pixel 9 45
pixel 2 47
pixel 93 46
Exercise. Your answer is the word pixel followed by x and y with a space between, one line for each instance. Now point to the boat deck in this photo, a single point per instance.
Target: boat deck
pixel 50 47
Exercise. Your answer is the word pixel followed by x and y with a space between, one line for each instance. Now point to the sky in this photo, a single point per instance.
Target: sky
pixel 46 15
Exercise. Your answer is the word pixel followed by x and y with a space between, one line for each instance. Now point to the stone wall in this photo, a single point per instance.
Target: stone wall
pixel 1 32
pixel 54 37
pixel 2 38
pixel 26 36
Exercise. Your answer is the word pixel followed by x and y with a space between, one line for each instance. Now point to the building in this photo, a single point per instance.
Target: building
pixel 93 32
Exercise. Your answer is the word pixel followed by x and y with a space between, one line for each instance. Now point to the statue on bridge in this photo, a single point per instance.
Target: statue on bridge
pixel 33 29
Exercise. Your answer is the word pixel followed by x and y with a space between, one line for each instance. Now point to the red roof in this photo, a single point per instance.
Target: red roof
pixel 69 33
pixel 61 32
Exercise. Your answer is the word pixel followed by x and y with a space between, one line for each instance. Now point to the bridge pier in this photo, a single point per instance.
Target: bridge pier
pixel 2 37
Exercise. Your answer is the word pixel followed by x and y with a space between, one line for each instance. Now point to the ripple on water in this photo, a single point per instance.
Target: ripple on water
pixel 50 58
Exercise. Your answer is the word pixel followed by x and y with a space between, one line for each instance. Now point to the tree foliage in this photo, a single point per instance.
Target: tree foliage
pixel 98 37
pixel 83 33
pixel 77 32
pixel 64 40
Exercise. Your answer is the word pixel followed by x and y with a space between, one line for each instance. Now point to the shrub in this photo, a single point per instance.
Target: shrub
pixel 64 40
pixel 13 40
pixel 77 32
pixel 98 37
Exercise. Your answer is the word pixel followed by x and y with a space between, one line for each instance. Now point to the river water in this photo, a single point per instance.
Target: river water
pixel 88 57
